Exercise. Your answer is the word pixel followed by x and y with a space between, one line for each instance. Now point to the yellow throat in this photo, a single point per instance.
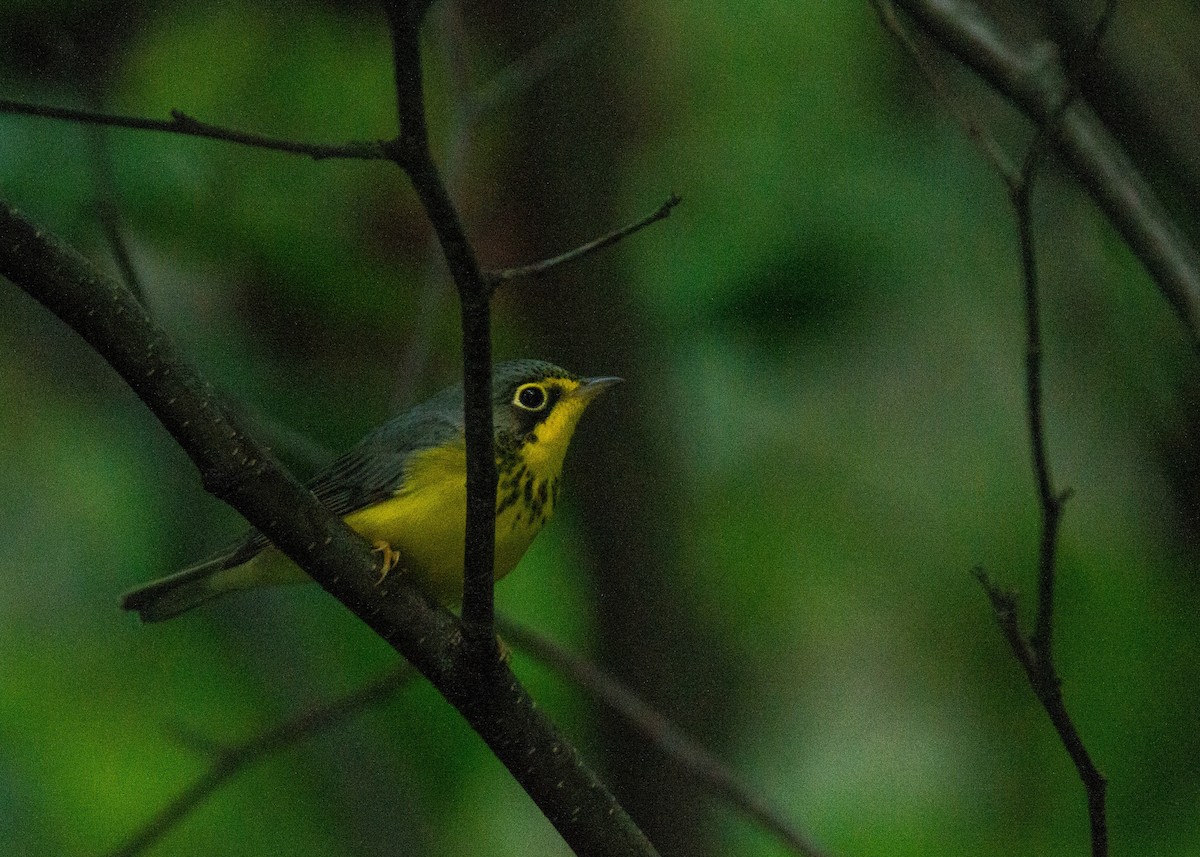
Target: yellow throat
pixel 425 521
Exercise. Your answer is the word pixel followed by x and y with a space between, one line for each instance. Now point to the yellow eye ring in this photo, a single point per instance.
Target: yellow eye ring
pixel 530 397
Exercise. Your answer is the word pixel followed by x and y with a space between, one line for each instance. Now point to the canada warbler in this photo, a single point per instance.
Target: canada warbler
pixel 403 487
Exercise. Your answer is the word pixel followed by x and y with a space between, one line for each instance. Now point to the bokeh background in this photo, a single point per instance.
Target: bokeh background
pixel 768 531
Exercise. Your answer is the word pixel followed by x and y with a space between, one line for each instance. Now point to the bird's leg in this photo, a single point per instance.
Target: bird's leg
pixel 503 652
pixel 391 558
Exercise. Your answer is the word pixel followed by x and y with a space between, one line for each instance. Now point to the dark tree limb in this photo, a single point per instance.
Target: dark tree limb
pixel 238 470
pixel 411 152
pixel 459 658
pixel 1036 82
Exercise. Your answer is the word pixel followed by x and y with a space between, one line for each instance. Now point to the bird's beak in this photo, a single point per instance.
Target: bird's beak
pixel 590 388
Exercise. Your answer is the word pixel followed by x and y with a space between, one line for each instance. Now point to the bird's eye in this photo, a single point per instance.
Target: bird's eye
pixel 531 397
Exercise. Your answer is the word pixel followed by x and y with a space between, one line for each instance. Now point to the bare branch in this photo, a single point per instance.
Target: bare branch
pixel 1037 656
pixel 181 123
pixel 495 278
pixel 663 734
pixel 1037 84
pixel 1044 91
pixel 1048 688
pixel 229 760
pixel 1038 659
pixel 1050 500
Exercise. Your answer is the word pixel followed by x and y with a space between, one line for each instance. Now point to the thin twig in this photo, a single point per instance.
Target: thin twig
pixel 538 268
pixel 471 109
pixel 1050 501
pixel 1041 668
pixel 974 127
pixel 229 760
pixel 185 125
pixel 694 758
pixel 958 27
pixel 1047 686
pixel 1036 655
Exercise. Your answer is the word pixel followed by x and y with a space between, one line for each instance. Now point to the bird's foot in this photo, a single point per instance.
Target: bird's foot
pixel 391 558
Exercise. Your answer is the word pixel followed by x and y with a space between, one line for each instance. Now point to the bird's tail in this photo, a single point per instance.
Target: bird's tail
pixel 180 592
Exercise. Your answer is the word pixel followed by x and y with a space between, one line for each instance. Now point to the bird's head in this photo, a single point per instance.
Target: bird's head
pixel 536 406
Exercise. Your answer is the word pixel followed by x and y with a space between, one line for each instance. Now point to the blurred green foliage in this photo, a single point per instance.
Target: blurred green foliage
pixel 841 359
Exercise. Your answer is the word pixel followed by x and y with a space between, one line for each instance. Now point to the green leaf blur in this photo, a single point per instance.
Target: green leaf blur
pixel 830 337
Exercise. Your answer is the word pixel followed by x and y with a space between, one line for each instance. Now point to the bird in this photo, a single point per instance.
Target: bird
pixel 403 488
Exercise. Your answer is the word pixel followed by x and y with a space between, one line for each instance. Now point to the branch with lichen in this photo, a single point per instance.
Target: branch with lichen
pixel 457 657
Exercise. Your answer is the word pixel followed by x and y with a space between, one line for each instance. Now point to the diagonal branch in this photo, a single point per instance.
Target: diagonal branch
pixel 228 761
pixel 237 469
pixel 660 732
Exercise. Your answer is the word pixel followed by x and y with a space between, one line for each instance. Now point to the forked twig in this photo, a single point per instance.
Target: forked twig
pixel 229 760
pixel 1035 654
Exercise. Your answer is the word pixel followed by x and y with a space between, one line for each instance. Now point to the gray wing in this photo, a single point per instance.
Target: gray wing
pixel 375 468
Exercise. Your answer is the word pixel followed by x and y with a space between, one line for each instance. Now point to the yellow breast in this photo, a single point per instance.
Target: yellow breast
pixel 426 519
